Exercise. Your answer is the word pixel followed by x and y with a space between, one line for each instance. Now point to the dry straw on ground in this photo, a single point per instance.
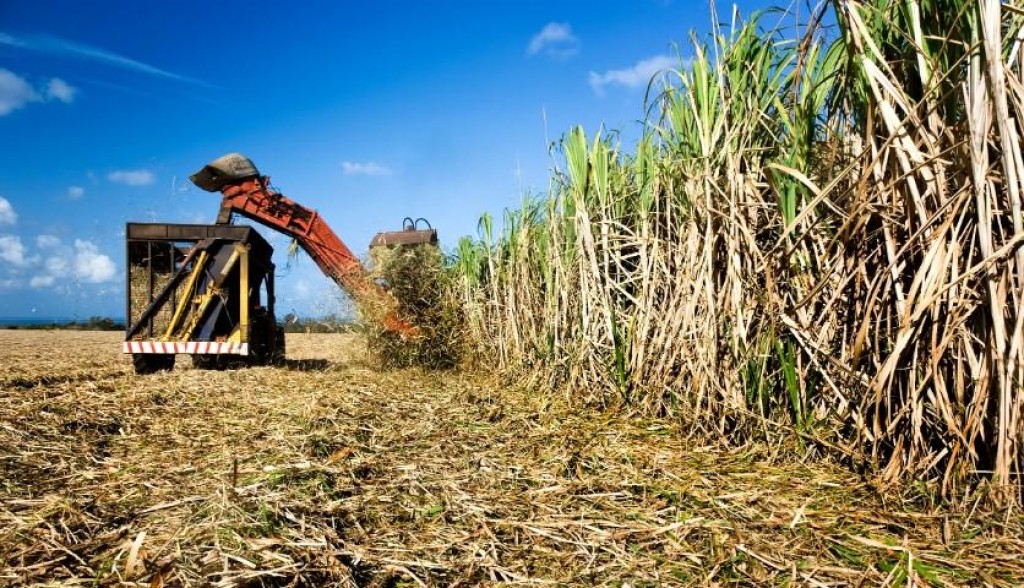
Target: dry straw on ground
pixel 331 472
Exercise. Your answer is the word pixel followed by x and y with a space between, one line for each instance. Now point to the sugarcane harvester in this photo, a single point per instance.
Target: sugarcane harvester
pixel 204 290
pixel 208 290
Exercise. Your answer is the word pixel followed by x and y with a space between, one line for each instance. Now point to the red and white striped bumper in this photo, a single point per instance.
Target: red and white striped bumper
pixel 211 347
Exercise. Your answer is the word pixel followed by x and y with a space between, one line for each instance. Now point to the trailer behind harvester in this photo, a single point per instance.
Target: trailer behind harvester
pixel 204 290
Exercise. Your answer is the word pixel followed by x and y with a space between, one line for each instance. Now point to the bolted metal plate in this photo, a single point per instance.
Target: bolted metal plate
pixel 404 237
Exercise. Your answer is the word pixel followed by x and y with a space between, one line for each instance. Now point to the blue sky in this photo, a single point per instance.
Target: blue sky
pixel 368 112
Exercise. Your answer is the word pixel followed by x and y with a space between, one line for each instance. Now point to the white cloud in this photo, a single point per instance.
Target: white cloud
pixel 56 265
pixel 83 262
pixel 75 192
pixel 91 265
pixel 15 92
pixel 58 89
pixel 7 214
pixel 556 40
pixel 132 177
pixel 58 46
pixel 12 251
pixel 47 241
pixel 41 281
pixel 638 75
pixel 10 284
pixel 9 40
pixel 368 168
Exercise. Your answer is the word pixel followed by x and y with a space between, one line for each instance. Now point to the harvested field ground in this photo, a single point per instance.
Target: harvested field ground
pixel 330 472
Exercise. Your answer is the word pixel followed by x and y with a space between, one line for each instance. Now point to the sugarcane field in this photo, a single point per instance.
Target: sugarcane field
pixel 741 308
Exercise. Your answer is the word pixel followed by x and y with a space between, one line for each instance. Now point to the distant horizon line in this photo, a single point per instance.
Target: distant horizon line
pixel 48 318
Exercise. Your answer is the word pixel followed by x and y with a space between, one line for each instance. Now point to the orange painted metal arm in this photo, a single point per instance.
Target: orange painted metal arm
pixel 254 199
